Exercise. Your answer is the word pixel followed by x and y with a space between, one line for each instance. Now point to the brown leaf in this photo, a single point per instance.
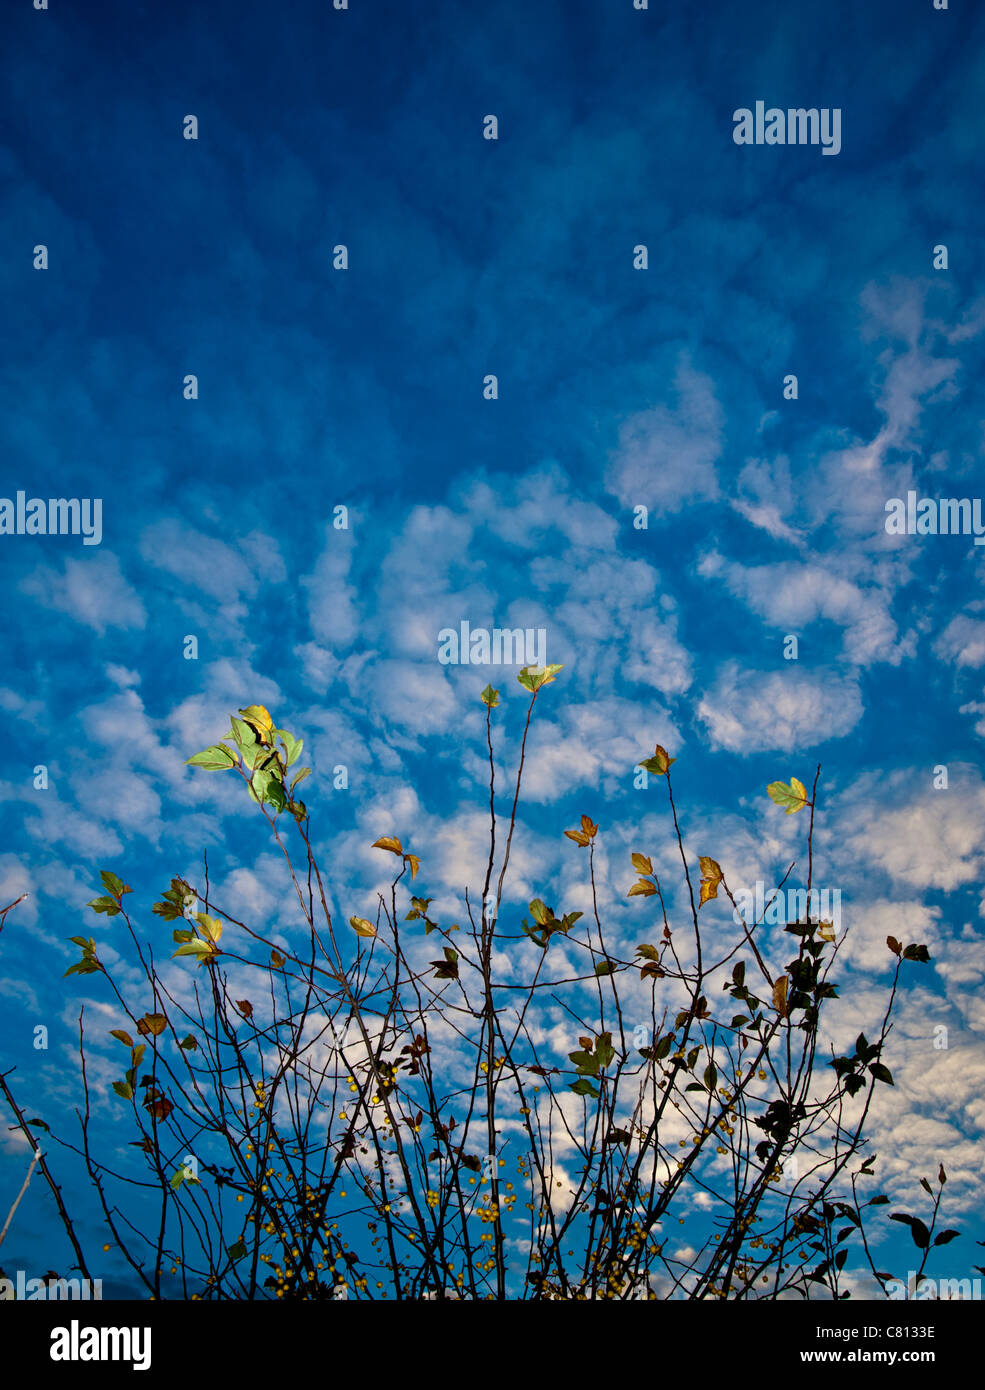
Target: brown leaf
pixel 152 1023
pixel 389 842
pixel 245 1007
pixel 780 996
pixel 711 877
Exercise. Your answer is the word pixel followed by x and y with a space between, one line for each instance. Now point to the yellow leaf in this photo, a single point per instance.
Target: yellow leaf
pixel 579 837
pixel 711 877
pixel 260 718
pixel 361 927
pixel 589 827
pixel 826 931
pixel 642 864
pixel 792 797
pixel 780 996
pixel 414 863
pixel 152 1023
pixel 641 890
pixel 211 927
pixel 389 842
pixel 258 714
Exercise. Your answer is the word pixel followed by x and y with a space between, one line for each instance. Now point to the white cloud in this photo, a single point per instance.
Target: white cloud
pixel 919 836
pixel 666 457
pixel 332 605
pixel 201 562
pixel 748 711
pixel 93 591
pixel 790 595
pixel 962 641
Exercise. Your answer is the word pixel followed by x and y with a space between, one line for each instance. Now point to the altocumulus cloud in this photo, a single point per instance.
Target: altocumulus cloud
pixel 748 711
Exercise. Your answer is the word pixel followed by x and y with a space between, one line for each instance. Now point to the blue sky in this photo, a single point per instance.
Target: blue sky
pixel 618 388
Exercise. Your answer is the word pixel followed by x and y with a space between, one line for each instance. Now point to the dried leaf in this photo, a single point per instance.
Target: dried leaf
pixel 780 996
pixel 389 842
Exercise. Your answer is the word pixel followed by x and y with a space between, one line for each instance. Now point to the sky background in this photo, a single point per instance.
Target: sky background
pixel 618 388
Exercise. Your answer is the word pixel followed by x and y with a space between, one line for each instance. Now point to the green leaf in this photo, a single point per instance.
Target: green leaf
pixel 945 1237
pixel 124 1089
pixel 541 913
pixel 881 1073
pixel 711 1076
pixel 919 953
pixel 490 697
pixel 276 794
pixel 113 885
pixel 237 1251
pixel 534 678
pixel 583 1087
pixel 204 950
pixel 301 774
pixel 242 732
pixel 190 1044
pixel 605 967
pixel 107 905
pixel 218 758
pixel 792 798
pixel 659 764
pixel 292 745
